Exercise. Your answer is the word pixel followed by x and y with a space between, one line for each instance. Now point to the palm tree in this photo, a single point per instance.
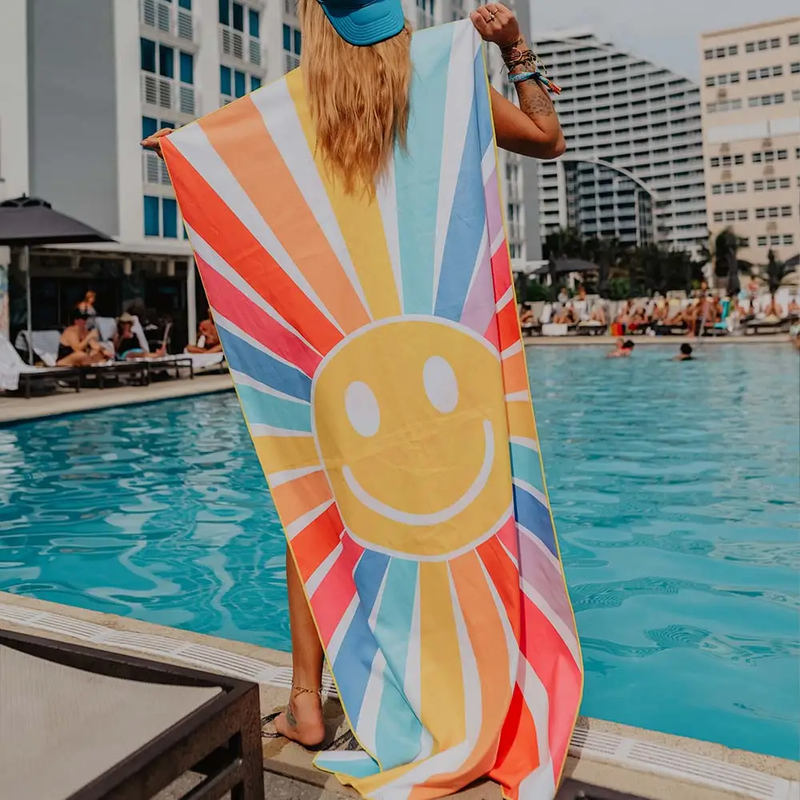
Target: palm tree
pixel 774 273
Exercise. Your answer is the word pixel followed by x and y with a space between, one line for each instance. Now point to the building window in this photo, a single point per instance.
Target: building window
pixel 709 54
pixel 166 61
pixel 742 215
pixel 795 67
pixel 255 83
pixel 761 213
pixel 425 14
pixel 788 238
pixel 774 43
pixel 794 39
pixel 239 83
pixel 225 82
pixel 152 225
pixel 785 183
pixel 292 45
pixel 169 215
pixel 187 4
pixel 238 17
pixel 733 50
pixel 186 61
pixel 750 47
pixel 762 241
pixel 717 216
pixel 225 12
pixel 763 44
pixel 254 23
pixel 786 211
pixel 148 55
pixel 715 162
pixel 711 80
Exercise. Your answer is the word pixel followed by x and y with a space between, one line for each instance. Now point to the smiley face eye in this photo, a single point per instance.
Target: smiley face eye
pixel 362 408
pixel 440 383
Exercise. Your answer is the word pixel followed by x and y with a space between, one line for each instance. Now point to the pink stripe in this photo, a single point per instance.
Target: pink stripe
pixel 553 663
pixel 493 217
pixel 508 536
pixel 337 589
pixel 479 307
pixel 255 322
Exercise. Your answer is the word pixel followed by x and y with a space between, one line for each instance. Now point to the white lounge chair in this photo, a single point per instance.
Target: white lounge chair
pixel 14 371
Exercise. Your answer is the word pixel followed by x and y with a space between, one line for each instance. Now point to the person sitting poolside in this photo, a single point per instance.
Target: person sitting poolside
pixel 685 353
pixel 78 346
pixel 566 316
pixel 126 343
pixel 207 339
pixel 773 311
pixel 623 350
pixel 794 308
pixel 598 315
pixel 526 315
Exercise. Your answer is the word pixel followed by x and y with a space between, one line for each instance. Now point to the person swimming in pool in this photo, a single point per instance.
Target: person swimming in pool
pixel 623 350
pixel 685 353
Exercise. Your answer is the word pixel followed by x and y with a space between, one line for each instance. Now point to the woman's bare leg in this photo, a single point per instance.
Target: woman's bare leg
pixel 302 721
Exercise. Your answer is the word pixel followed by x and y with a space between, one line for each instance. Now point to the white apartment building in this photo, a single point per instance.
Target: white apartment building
pixel 91 78
pixel 634 162
pixel 751 125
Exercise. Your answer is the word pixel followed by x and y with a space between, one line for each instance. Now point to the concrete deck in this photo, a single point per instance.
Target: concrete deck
pixel 68 401
pixel 646 763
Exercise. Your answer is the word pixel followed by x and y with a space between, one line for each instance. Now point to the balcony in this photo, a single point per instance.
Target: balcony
pixel 240 46
pixel 154 170
pixel 168 18
pixel 290 62
pixel 167 93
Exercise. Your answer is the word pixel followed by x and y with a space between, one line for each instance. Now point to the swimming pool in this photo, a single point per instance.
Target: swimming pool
pixel 674 487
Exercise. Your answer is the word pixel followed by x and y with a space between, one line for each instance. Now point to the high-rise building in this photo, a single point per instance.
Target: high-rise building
pixel 633 167
pixel 92 77
pixel 751 127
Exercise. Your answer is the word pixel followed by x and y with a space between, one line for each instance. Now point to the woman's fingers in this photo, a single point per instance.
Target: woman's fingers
pixel 153 143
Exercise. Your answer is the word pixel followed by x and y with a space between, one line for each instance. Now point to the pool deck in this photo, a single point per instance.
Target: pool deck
pixel 649 764
pixel 18 409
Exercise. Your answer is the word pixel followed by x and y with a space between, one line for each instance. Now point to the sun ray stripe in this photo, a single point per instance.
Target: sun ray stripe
pixel 531 490
pixel 279 114
pixel 359 221
pixel 336 590
pixel 207 213
pixel 335 642
pixel 515 373
pixel 526 466
pixel 520 420
pixel 296 526
pixel 261 408
pixel 479 307
pixel 386 194
pixel 513 346
pixel 313 543
pixel 501 273
pixel 369 576
pixel 294 498
pixel 260 429
pixel 508 322
pixel 534 516
pixel 504 573
pixel 554 617
pixel 210 258
pixel 545 552
pixel 506 298
pixel 313 581
pixel 417 177
pixel 195 144
pixel 277 454
pixel 251 155
pixel 246 355
pixel 278 478
pixel 260 327
pixel 553 666
pixel 243 379
pixel 531 444
pixel 460 187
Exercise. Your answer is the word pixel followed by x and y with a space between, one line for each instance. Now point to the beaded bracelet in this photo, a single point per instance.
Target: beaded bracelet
pixel 537 76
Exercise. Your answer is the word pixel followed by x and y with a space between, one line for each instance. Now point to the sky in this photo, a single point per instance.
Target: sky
pixel 663 31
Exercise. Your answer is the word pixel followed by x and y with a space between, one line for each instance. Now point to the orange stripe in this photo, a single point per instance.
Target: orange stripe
pixel 245 145
pixel 279 453
pixel 517 755
pixel 297 497
pixel 515 373
pixel 205 211
pixel 508 323
pixel 505 577
pixel 520 419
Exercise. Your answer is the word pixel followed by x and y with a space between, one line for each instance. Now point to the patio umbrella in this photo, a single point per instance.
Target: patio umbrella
pixel 733 286
pixel 28 221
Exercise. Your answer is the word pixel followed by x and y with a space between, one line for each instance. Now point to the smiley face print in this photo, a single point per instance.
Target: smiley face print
pixel 409 420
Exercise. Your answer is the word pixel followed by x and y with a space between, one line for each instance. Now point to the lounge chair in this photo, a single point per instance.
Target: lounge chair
pixel 45 345
pixel 766 326
pixel 83 724
pixel 15 373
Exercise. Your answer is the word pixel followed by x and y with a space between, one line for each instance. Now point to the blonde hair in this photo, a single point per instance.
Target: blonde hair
pixel 358 96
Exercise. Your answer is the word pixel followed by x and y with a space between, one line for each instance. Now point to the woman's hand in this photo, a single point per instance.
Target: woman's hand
pixel 495 23
pixel 153 143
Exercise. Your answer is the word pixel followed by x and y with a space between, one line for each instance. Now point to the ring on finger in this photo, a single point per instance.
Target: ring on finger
pixel 492 15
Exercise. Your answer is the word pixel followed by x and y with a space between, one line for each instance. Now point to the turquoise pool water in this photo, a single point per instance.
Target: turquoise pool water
pixel 674 487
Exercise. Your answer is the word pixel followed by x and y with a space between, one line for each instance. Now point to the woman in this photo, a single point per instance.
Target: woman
pixel 127 345
pixel 357 70
pixel 86 307
pixel 207 338
pixel 78 346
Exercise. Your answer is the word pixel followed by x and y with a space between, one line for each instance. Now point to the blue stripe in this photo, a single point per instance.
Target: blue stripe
pixel 534 516
pixel 464 233
pixel 362 767
pixel 417 168
pixel 525 465
pixel 354 663
pixel 368 576
pixel 399 731
pixel 266 409
pixel 243 357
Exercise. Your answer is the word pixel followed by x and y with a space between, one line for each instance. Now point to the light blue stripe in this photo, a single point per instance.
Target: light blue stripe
pixel 464 233
pixel 361 767
pixel 417 168
pixel 266 409
pixel 399 730
pixel 485 129
pixel 368 577
pixel 261 366
pixel 525 465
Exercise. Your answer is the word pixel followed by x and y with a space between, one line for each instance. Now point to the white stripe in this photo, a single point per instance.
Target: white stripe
pixel 505 299
pixel 532 490
pixel 293 528
pixel 567 635
pixel 498 240
pixel 412 685
pixel 523 531
pixel 457 109
pixel 517 397
pixel 195 147
pixel 260 429
pixel 279 114
pixel 514 654
pixel 376 606
pixel 386 192
pixel 538 702
pixel 513 558
pixel 481 257
pixel 288 475
pixel 319 574
pixel 242 379
pixel 540 784
pixel 221 267
pixel 512 350
pixel 488 163
pixel 523 441
pixel 367 723
pixel 337 638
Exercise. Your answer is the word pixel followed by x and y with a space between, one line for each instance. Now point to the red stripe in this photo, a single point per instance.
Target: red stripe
pixel 501 271
pixel 552 661
pixel 314 543
pixel 337 589
pixel 255 322
pixel 206 212
pixel 517 754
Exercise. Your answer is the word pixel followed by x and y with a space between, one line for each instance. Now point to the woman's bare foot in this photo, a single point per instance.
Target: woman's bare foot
pixel 302 722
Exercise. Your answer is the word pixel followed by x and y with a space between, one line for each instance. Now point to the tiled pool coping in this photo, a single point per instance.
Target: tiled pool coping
pixel 651 764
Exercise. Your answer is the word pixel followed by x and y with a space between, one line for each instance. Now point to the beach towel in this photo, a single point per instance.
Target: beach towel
pixel 375 346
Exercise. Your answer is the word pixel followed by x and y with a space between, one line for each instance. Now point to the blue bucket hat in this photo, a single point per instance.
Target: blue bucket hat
pixel 365 22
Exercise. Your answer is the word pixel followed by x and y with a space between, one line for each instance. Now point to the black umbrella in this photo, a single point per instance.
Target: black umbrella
pixel 28 221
